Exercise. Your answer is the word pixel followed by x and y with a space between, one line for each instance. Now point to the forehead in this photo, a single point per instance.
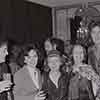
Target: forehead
pixel 53 58
pixel 32 52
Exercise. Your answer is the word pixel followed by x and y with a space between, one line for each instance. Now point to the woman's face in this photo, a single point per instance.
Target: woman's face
pixel 3 51
pixel 78 54
pixel 95 33
pixel 32 58
pixel 48 46
pixel 54 62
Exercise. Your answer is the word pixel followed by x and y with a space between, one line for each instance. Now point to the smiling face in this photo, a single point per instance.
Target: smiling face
pixel 95 33
pixel 78 54
pixel 54 63
pixel 32 58
pixel 3 52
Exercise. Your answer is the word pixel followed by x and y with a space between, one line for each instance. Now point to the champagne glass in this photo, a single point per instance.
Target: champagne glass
pixel 7 76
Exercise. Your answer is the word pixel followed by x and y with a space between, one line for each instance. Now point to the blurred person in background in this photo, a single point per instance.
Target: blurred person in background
pixel 94 51
pixel 14 57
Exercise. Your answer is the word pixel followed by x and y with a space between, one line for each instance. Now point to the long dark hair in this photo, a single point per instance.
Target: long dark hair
pixel 29 47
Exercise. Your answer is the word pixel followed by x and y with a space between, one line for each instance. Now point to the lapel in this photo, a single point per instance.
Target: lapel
pixel 30 81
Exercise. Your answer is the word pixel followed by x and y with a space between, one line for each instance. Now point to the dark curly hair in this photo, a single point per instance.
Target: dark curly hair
pixel 29 47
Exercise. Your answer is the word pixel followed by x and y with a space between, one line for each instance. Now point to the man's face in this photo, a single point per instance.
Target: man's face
pixel 95 33
pixel 3 51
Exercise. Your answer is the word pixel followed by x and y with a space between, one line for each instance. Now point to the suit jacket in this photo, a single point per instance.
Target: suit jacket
pixel 24 88
pixel 52 92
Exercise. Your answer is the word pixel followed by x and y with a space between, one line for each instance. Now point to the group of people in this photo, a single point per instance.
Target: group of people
pixel 51 76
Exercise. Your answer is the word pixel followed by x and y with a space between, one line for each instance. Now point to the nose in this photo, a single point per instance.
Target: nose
pixel 6 52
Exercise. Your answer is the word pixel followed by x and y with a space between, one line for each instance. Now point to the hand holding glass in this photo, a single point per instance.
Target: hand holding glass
pixel 5 85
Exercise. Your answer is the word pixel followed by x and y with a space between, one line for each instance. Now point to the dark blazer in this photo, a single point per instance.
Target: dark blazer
pixel 24 88
pixel 52 92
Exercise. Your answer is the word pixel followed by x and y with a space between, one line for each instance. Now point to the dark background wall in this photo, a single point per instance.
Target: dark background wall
pixel 24 21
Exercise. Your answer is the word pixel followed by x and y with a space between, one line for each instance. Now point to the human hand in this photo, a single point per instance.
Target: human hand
pixel 40 95
pixel 5 85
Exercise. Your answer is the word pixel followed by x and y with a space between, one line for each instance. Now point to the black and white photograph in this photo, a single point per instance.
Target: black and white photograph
pixel 49 49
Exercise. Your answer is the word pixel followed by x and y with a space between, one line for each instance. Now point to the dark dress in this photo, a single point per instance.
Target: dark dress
pixel 54 93
pixel 80 88
pixel 4 69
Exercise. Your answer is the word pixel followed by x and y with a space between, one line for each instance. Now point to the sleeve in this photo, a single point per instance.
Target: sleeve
pixel 90 90
pixel 20 93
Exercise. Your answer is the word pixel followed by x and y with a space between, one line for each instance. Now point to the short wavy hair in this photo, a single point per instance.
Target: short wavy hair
pixel 55 53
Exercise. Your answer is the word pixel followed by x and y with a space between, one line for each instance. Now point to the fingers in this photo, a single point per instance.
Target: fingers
pixel 41 98
pixel 5 85
pixel 41 95
pixel 6 89
pixel 5 82
pixel 40 92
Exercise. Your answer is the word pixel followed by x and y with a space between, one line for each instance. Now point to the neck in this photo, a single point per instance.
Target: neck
pixel 54 71
pixel 2 60
pixel 31 66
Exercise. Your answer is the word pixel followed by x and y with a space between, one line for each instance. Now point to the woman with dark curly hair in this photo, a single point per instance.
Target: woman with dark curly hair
pixel 28 80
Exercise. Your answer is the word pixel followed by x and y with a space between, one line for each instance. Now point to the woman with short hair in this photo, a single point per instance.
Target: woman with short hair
pixel 55 83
